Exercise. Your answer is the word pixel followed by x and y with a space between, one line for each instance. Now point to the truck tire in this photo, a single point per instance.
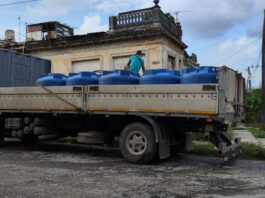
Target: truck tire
pixel 2 140
pixel 137 143
pixel 29 139
pixel 174 149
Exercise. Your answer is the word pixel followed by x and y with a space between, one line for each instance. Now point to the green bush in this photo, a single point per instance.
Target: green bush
pixel 253 106
pixel 253 151
pixel 249 150
pixel 67 140
pixel 203 148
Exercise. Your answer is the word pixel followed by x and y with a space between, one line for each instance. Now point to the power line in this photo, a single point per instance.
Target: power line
pixel 215 44
pixel 259 57
pixel 20 2
pixel 20 33
pixel 237 52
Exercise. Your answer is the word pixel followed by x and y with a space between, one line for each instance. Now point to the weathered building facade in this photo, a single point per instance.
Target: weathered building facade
pixel 48 30
pixel 149 30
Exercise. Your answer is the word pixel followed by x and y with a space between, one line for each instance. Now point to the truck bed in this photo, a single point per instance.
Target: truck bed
pixel 195 100
pixel 174 100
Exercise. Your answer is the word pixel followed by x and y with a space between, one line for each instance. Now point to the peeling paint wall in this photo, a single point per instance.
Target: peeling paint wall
pixel 169 49
pixel 156 53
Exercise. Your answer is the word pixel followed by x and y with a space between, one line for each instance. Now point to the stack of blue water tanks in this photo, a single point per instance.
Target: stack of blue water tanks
pixel 53 79
pixel 199 75
pixel 119 77
pixel 82 78
pixel 160 76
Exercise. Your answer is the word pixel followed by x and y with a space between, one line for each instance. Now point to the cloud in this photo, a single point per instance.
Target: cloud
pixel 2 34
pixel 210 19
pixel 63 7
pixel 92 24
pixel 59 7
pixel 115 6
pixel 240 54
pixel 207 19
pixel 254 31
pixel 246 48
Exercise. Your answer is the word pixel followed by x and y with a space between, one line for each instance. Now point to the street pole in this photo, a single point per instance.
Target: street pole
pixel 263 74
pixel 249 80
pixel 19 18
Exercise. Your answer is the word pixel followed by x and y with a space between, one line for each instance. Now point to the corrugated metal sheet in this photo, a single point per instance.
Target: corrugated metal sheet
pixel 34 28
pixel 21 70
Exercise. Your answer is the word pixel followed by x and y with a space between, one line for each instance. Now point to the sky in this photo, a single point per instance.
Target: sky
pixel 220 32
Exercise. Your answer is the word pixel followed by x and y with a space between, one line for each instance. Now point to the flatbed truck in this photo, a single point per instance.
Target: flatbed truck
pixel 151 121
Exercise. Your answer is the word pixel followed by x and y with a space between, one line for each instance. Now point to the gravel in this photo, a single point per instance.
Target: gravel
pixel 76 171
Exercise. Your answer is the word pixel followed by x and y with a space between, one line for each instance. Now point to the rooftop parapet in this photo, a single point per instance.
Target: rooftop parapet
pixel 148 18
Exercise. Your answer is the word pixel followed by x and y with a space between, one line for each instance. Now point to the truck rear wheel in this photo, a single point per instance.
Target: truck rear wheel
pixel 2 140
pixel 137 143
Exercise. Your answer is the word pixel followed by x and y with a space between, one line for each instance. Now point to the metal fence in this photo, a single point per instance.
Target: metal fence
pixel 21 70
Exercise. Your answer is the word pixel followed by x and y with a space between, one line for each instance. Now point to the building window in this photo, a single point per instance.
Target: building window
pixel 171 63
pixel 119 62
pixel 85 65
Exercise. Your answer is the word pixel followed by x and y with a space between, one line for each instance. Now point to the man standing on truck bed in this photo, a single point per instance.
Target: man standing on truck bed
pixel 136 62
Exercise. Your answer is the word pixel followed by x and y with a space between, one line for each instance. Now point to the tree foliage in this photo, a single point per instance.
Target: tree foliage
pixel 253 105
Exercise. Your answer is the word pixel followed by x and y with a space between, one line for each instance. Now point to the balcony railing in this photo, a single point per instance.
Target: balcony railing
pixel 138 18
pixel 134 18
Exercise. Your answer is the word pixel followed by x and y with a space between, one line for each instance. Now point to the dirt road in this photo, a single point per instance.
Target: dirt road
pixel 72 171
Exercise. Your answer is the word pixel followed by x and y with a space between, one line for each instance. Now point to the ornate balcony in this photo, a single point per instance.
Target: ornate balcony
pixel 145 19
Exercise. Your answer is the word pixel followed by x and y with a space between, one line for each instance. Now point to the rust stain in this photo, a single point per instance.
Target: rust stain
pixel 69 109
pixel 34 108
pixel 147 110
pixel 203 112
pixel 98 109
pixel 172 111
pixel 124 110
pixel 53 109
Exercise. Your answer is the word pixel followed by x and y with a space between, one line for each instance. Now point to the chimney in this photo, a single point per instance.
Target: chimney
pixel 10 35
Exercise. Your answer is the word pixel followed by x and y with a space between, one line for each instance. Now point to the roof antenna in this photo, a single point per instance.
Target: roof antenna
pixel 177 14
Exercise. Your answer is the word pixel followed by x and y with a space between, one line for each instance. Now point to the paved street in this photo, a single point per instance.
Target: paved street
pixel 247 136
pixel 73 171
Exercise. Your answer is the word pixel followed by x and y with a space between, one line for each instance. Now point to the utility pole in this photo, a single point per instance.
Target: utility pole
pixel 263 74
pixel 249 79
pixel 19 18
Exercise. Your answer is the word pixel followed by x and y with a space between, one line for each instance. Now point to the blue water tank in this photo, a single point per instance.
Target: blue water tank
pixel 188 70
pixel 202 75
pixel 118 77
pixel 160 76
pixel 82 78
pixel 52 79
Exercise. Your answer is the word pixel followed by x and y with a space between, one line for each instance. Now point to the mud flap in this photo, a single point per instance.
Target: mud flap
pixel 164 143
pixel 164 150
pixel 162 137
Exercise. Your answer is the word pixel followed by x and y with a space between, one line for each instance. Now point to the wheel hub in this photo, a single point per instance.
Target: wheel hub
pixel 136 143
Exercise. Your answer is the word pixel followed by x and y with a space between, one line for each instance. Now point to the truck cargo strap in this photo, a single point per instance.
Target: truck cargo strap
pixel 60 98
